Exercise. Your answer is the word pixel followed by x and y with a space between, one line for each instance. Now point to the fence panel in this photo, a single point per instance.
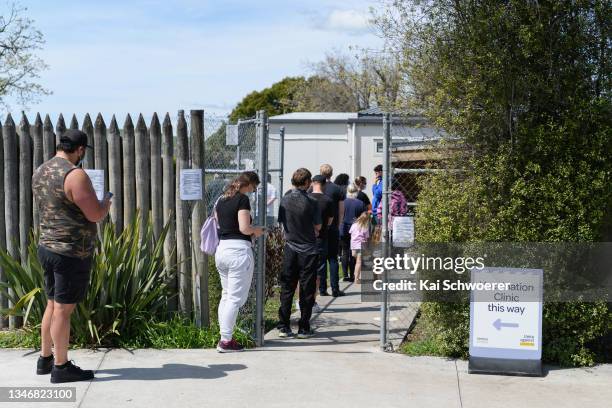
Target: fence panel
pixel 142 168
pixel 408 163
pixel 3 298
pixel 11 196
pixel 25 186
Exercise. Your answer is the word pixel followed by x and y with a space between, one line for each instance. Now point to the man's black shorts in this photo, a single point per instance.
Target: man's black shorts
pixel 66 277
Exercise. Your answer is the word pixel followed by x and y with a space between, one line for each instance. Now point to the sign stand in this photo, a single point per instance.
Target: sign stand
pixel 506 325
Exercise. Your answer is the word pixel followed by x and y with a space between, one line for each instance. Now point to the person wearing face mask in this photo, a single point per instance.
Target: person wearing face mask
pixel 68 212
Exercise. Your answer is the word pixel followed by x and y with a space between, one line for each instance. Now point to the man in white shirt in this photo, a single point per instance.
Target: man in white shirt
pixel 272 197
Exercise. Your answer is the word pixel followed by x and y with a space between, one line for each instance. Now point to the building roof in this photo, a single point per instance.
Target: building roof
pixel 371 115
pixel 314 116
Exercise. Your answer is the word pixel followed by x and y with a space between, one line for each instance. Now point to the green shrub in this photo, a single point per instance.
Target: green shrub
pixel 501 198
pixel 128 286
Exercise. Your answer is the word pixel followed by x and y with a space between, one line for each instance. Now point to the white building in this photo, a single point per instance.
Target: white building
pixel 350 142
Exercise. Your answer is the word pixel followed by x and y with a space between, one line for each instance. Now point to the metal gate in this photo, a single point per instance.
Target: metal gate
pixel 230 150
pixel 397 313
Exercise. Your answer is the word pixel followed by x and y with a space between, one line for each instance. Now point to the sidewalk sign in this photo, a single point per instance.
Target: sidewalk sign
pixel 190 184
pixel 506 325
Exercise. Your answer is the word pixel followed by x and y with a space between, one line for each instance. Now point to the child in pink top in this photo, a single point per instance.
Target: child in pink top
pixel 360 232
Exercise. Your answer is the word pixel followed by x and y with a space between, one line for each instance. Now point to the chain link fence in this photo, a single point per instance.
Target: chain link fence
pixel 232 148
pixel 409 160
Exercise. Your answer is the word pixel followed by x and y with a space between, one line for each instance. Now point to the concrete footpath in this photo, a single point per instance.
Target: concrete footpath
pixel 340 367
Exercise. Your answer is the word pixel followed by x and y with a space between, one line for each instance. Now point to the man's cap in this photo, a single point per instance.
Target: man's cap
pixel 74 138
pixel 319 179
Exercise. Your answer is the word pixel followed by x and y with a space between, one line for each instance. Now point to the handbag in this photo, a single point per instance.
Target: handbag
pixel 209 235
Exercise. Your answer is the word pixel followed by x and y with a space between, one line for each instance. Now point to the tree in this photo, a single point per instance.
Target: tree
pixel 277 99
pixel 526 87
pixel 19 67
pixel 343 82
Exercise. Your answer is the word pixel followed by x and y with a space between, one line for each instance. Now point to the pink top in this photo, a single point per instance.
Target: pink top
pixel 359 236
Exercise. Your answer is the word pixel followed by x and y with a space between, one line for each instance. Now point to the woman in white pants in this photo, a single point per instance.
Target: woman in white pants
pixel 234 256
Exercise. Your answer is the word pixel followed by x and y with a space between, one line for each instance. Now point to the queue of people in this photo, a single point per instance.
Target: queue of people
pixel 326 224
pixel 319 218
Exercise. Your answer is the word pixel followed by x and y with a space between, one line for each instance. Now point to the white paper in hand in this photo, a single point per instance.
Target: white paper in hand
pixel 97 180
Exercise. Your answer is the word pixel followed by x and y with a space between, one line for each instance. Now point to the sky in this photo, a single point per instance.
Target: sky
pixel 160 56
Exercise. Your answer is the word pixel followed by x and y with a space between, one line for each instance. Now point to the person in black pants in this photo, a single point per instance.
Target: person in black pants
pixel 301 220
pixel 327 216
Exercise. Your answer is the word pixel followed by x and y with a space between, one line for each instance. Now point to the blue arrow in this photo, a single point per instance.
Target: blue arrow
pixel 498 324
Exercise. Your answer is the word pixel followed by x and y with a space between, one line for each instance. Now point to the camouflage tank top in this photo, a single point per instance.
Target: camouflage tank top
pixel 64 229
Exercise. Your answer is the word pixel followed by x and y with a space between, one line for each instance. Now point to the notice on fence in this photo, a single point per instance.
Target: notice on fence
pixel 97 180
pixel 231 135
pixel 190 185
pixel 403 231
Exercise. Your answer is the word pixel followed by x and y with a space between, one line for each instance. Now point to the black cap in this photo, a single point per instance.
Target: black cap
pixel 74 138
pixel 319 179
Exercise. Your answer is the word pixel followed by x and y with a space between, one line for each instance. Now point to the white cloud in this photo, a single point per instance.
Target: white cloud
pixel 347 20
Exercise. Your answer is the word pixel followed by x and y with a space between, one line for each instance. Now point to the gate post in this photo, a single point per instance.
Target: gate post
pixel 385 223
pixel 281 161
pixel 199 270
pixel 260 272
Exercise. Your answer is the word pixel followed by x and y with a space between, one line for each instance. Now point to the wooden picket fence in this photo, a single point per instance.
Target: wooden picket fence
pixel 141 166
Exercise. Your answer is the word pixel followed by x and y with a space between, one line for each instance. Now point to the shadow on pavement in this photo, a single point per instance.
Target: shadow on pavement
pixel 168 372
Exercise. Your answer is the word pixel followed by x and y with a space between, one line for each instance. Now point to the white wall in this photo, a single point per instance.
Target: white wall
pixel 310 145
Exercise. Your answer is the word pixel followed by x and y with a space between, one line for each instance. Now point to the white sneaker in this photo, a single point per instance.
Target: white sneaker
pixel 297 305
pixel 316 308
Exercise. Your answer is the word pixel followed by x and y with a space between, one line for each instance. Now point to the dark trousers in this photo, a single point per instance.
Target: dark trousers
pixel 322 265
pixel 302 269
pixel 332 257
pixel 348 260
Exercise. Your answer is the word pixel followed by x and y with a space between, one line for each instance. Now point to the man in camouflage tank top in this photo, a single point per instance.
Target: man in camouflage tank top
pixel 68 211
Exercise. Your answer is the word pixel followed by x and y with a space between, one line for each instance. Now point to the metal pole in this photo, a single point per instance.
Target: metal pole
pixel 262 137
pixel 385 223
pixel 238 148
pixel 281 134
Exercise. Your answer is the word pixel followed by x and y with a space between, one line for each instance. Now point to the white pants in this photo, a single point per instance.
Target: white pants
pixel 234 261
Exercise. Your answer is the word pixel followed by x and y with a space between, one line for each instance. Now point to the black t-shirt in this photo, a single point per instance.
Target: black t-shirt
pixel 326 210
pixel 227 216
pixel 334 192
pixel 363 197
pixel 298 214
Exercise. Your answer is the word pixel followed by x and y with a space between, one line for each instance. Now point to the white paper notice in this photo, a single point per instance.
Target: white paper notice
pixel 97 179
pixel 191 184
pixel 403 231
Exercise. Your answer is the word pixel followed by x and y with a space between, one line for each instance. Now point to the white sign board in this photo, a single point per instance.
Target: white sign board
pixel 507 324
pixel 97 180
pixel 231 135
pixel 403 231
pixel 190 184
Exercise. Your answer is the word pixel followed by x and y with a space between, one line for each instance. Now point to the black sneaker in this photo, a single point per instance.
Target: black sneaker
pixel 44 365
pixel 305 333
pixel 69 373
pixel 338 293
pixel 346 279
pixel 284 332
pixel 323 293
